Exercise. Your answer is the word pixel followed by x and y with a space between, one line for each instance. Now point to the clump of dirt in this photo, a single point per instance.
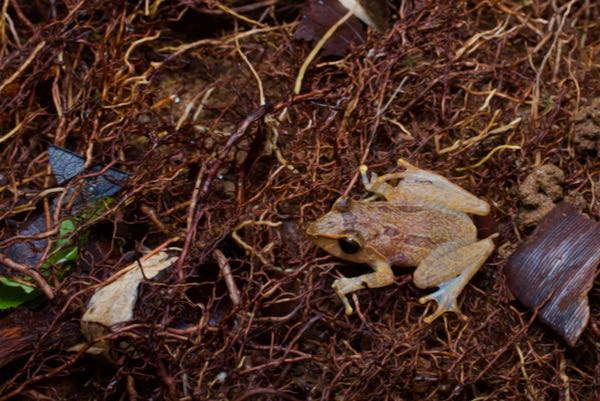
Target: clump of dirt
pixel 586 137
pixel 538 194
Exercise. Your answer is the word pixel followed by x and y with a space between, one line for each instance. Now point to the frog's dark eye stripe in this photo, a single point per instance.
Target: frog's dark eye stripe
pixel 348 245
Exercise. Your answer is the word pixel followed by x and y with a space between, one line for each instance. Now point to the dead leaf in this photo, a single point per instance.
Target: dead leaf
pixel 320 15
pixel 114 303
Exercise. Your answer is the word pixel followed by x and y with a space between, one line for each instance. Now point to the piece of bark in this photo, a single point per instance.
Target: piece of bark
pixel 554 269
pixel 22 330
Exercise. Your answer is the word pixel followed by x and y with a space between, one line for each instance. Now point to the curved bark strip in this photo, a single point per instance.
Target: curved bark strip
pixel 555 269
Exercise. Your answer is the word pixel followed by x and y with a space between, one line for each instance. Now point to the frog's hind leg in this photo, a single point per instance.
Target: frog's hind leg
pixel 383 276
pixel 450 268
pixel 376 184
pixel 433 188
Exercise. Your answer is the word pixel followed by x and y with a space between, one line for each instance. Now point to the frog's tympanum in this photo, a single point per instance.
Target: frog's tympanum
pixel 422 222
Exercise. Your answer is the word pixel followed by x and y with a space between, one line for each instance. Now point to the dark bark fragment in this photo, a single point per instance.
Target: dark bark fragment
pixel 555 269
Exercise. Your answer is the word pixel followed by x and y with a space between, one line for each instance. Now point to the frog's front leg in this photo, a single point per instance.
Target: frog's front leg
pixel 450 267
pixel 383 276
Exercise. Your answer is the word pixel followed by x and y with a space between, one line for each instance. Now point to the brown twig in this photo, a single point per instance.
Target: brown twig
pixel 28 271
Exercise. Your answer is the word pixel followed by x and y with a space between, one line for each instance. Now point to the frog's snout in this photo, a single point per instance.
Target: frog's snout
pixel 311 229
pixel 325 226
pixel 316 228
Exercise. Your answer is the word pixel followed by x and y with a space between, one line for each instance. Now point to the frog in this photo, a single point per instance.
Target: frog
pixel 418 219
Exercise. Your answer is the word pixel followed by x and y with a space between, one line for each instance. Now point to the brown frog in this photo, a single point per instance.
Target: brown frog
pixel 422 222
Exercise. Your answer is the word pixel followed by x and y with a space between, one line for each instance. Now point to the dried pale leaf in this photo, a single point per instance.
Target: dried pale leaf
pixel 320 15
pixel 114 303
pixel 374 13
pixel 555 269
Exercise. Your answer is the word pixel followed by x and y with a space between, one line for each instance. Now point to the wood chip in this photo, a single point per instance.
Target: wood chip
pixel 555 268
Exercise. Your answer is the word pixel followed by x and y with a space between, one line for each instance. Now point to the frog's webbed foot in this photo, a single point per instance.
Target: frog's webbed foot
pixel 383 276
pixel 450 269
pixel 445 298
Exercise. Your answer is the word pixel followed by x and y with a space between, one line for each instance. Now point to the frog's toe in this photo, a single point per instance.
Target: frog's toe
pixel 363 175
pixel 429 319
pixel 343 286
pixel 404 163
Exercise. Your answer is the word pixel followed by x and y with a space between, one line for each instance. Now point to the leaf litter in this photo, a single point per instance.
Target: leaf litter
pixel 482 93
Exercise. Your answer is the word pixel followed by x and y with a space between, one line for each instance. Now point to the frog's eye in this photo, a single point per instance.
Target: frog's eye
pixel 348 245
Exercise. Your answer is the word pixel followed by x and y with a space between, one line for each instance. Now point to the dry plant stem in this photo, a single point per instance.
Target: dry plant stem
pixel 488 156
pixel 34 274
pixel 536 92
pixel 26 383
pixel 530 389
pixel 130 67
pixel 131 391
pixel 465 144
pixel 245 245
pixel 242 8
pixel 239 16
pixel 179 50
pixel 192 221
pixel 513 339
pixel 20 126
pixel 3 18
pixel 261 92
pixel 313 53
pixel 22 17
pixel 23 66
pixel 264 391
pixel 200 191
pixel 234 292
pixel 239 133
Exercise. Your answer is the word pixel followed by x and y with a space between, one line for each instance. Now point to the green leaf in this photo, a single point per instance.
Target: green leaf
pixel 67 254
pixel 63 256
pixel 13 294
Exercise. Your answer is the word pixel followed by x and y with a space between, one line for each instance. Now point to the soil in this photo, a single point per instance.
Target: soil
pixel 500 97
pixel 538 194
